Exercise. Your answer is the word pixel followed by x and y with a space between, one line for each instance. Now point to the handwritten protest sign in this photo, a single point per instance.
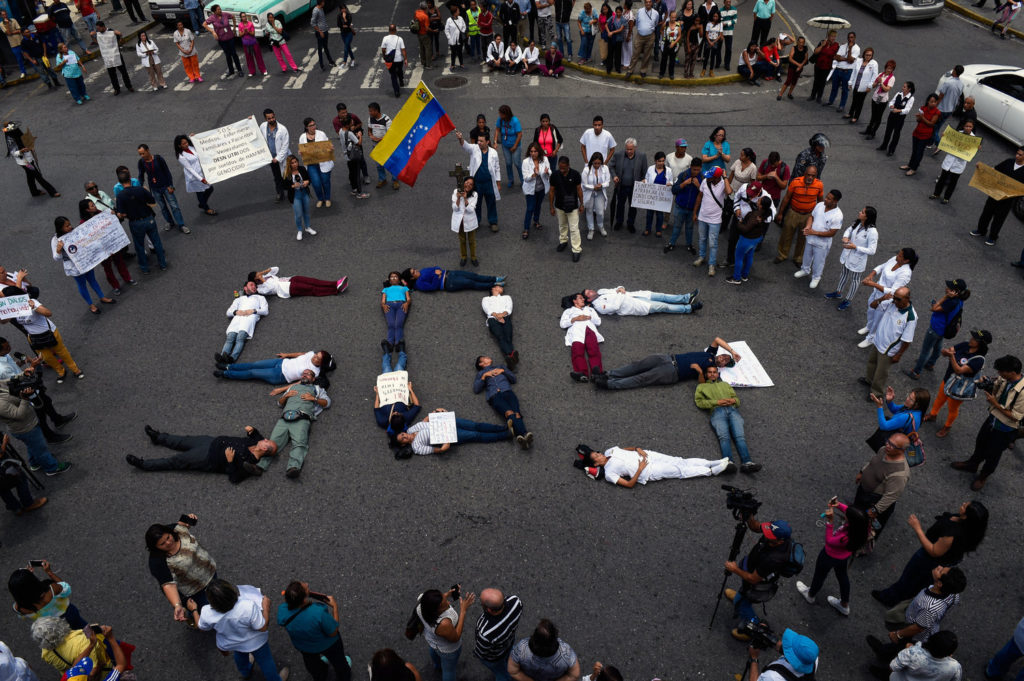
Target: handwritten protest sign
pixel 746 373
pixel 442 427
pixel 14 306
pixel 95 240
pixel 231 150
pixel 393 387
pixel 652 196
pixel 990 181
pixel 316 152
pixel 959 144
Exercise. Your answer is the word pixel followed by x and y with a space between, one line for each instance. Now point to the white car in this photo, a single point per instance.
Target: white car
pixel 998 93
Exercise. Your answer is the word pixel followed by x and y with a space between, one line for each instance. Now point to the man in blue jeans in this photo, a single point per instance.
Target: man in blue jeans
pixel 195 15
pixel 1010 653
pixel 944 312
pixel 136 204
pixel 161 186
pixel 496 631
pixel 684 192
pixel 18 416
pixel 759 570
pixel 719 397
pixel 563 27
pixel 509 133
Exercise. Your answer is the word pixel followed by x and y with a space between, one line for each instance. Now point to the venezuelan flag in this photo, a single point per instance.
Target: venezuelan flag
pixel 414 135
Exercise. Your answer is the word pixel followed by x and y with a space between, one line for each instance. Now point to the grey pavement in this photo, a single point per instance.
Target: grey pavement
pixel 629 576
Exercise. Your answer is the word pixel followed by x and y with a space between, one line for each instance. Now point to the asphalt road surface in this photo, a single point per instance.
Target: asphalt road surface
pixel 629 576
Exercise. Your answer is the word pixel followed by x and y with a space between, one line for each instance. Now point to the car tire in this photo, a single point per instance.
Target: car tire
pixel 1018 208
pixel 888 14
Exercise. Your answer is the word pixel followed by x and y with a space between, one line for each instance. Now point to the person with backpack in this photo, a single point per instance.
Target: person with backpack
pixel 799 659
pixel 774 555
pixel 947 315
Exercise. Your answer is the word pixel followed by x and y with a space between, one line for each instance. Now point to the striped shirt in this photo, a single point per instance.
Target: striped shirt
pixel 927 610
pixel 318 20
pixel 495 634
pixel 728 19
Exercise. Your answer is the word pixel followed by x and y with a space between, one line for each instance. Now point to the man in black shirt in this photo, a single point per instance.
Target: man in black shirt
pixel 137 204
pixel 236 456
pixel 60 14
pixel 996 211
pixel 566 196
pixel 759 570
pixel 668 369
pixel 33 50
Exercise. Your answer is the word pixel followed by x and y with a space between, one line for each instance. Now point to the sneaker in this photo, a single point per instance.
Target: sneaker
pixel 133 460
pixel 693 295
pixel 152 433
pixel 845 305
pixel 185 230
pixel 975 232
pixel 730 280
pixel 292 472
pixel 862 331
pixel 342 284
pixel 310 231
pixel 694 307
pixel 805 591
pixel 167 228
pixel 866 343
pixel 395 185
pixel 80 375
pixel 729 469
pixel 838 605
pixel 362 195
pixel 990 242
pixel 59 469
pixel 579 377
pixel 603 231
pixel 521 441
pixel 529 440
pixel 298 236
pixel 750 467
pixel 590 235
pixel 58 438
pixel 62 421
pixel 60 379
pixel 698 262
pixel 814 282
pixel 744 279
pixel 833 295
pixel 800 274
pixel 381 183
pixel 711 270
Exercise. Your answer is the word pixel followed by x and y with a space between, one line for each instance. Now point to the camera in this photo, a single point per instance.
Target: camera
pixel 741 502
pixel 16 385
pixel 985 383
pixel 761 635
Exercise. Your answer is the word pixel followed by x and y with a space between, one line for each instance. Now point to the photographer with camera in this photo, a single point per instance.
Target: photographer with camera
pixel 775 555
pixel 17 365
pixel 1006 412
pixel 311 620
pixel 799 659
pixel 18 416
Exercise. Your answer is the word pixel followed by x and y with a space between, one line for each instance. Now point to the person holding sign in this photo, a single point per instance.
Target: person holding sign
pixel 952 168
pixel 995 211
pixel 418 437
pixel 44 338
pixel 195 181
pixel 319 173
pixel 63 226
pixel 395 417
pixel 24 156
pixel 656 174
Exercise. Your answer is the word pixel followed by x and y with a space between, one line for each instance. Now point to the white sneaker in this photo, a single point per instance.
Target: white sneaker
pixel 698 262
pixel 838 605
pixel 298 236
pixel 814 282
pixel 866 343
pixel 800 274
pixel 863 332
pixel 590 235
pixel 603 232
pixel 805 591
pixel 310 231
pixel 711 270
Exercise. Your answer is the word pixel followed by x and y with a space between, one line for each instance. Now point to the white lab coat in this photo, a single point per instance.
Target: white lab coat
pixel 454 28
pixel 530 177
pixel 142 48
pixel 870 73
pixel 493 164
pixel 576 331
pixel 602 176
pixel 281 140
pixel 866 241
pixel 193 171
pixel 464 216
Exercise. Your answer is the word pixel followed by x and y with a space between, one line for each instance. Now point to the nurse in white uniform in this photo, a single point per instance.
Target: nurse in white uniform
pixel 627 466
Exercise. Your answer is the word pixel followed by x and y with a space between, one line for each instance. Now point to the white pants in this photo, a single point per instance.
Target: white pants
pixel 677 468
pixel 814 259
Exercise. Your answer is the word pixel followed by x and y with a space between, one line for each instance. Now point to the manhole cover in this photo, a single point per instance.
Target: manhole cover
pixel 448 82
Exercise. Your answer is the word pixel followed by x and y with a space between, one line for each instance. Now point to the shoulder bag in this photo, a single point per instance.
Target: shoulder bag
pixel 915 452
pixel 960 387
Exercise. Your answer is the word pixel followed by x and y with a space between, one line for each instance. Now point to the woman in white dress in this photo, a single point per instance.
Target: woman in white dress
pixel 894 273
pixel 627 466
pixel 596 178
pixel 195 181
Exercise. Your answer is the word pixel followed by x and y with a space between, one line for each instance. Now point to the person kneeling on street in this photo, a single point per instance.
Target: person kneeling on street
pixel 799 659
pixel 770 559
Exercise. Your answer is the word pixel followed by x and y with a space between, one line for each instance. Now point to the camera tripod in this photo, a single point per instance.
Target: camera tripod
pixel 737 541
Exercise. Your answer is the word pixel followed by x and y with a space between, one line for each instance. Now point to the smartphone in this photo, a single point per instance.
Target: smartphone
pixel 97 629
pixel 455 592
pixel 833 501
pixel 36 563
pixel 318 596
pixel 188 520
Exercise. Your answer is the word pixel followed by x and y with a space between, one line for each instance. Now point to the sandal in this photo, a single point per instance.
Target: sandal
pixel 911 172
pixel 108 301
pixel 657 234
pixel 647 232
pixel 526 234
pixel 95 310
pixel 210 211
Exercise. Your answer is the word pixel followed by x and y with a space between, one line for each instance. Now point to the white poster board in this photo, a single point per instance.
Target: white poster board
pixel 652 196
pixel 231 150
pixel 14 306
pixel 442 428
pixel 95 240
pixel 748 372
pixel 393 387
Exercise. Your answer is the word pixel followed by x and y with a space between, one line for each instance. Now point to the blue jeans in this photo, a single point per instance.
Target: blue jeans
pixel 745 609
pixel 586 45
pixel 657 217
pixel 506 401
pixel 70 34
pixel 382 174
pixel 727 422
pixel 499 668
pixel 18 497
pixel 385 363
pixel 234 343
pixel 446 662
pixel 38 453
pixel 475 47
pixel 300 207
pixel 513 161
pixel 460 280
pixel 264 658
pixel 840 79
pixel 470 431
pixel 744 257
pixel 931 346
pixel 564 33
pixel 395 317
pixel 19 58
pixel 140 229
pixel 492 206
pixel 938 126
pixel 708 240
pixel 682 218
pixel 1001 661
pixel 90 279
pixel 168 203
pixel 670 303
pixel 195 15
pixel 266 370
pixel 48 75
pixel 346 38
pixel 534 202
pixel 76 86
pixel 321 182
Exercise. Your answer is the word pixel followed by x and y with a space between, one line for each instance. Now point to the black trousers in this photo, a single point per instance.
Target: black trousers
pixel 47 410
pixel 864 500
pixel 279 186
pixel 877 109
pixel 397 76
pixel 996 212
pixel 893 126
pixel 624 193
pixel 134 10
pixel 818 85
pixel 734 238
pixel 508 35
pixel 193 454
pixel 947 180
pixel 989 447
pixel 321 50
pixel 762 29
pixel 857 104
pixel 32 175
pixel 503 334
pixel 335 655
pixel 112 73
pixel 230 55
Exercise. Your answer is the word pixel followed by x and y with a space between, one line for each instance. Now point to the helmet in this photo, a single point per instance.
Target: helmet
pixel 819 140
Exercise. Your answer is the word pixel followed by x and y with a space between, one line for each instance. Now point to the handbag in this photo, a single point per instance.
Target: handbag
pixel 915 452
pixel 960 387
pixel 42 341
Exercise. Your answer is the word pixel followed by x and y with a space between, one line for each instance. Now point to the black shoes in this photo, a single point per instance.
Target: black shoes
pixel 133 460
pixel 61 421
pixel 696 306
pixel 562 246
pixel 57 438
pixel 575 257
pixel 579 377
pixel 152 433
pixel 386 347
pixel 400 346
pixel 292 473
pixel 219 373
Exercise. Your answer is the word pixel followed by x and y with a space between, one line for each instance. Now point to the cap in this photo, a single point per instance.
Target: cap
pixel 799 651
pixel 717 172
pixel 776 529
pixel 981 335
pixel 753 188
pixel 958 285
pixel 681 142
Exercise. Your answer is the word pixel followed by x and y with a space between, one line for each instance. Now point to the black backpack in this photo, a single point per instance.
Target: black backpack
pixel 794 564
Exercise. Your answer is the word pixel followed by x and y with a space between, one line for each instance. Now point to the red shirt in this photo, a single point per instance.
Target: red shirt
pixel 85 7
pixel 826 55
pixel 924 131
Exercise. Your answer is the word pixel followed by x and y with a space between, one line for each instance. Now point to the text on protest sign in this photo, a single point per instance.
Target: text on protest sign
pixel 990 181
pixel 959 144
pixel 14 306
pixel 95 240
pixel 393 387
pixel 231 150
pixel 316 152
pixel 442 428
pixel 652 197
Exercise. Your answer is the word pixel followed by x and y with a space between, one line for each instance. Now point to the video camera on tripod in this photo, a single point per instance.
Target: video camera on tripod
pixel 761 635
pixel 741 502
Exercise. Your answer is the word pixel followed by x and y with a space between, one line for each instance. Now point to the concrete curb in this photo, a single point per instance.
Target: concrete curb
pixel 95 55
pixel 976 16
pixel 676 82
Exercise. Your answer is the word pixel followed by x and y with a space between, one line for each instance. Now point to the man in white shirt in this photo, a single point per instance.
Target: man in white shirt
pixel 824 221
pixel 893 334
pixel 842 66
pixel 278 142
pixel 647 20
pixel 597 139
pixel 269 283
pixel 245 311
pixel 498 310
pixel 625 303
pixel 679 161
pixel 392 50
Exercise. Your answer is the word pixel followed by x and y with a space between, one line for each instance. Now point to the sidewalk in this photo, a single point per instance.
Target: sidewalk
pixel 728 77
pixel 114 22
pixel 984 19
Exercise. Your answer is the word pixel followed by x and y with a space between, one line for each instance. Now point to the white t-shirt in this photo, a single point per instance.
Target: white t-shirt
pixel 238 629
pixel 846 51
pixel 393 42
pixel 712 202
pixel 824 221
pixel 678 165
pixel 593 143
pixel 492 304
pixel 293 367
pixel 35 322
pixel 275 285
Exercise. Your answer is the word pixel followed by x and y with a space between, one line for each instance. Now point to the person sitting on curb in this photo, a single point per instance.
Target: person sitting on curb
pixel 627 466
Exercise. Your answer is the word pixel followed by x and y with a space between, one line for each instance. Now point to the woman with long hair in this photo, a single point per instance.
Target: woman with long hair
pixel 319 173
pixel 297 179
pixel 596 178
pixel 840 545
pixel 945 543
pixel 442 627
pixel 658 173
pixel 894 273
pixel 149 54
pixel 859 241
pixel 250 45
pixel 464 222
pixel 62 226
pixel 36 598
pixel 348 32
pixel 580 322
pixel 275 34
pixel 536 183
pixel 927 118
pixel 880 88
pixel 713 36
pixel 906 418
pixel 195 182
pixel 394 302
pixel 945 311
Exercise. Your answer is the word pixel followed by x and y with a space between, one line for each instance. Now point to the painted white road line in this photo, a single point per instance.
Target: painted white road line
pixel 306 63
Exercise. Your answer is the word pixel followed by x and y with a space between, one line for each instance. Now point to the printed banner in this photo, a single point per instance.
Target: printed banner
pixel 652 197
pixel 14 306
pixel 442 428
pixel 231 150
pixel 393 387
pixel 95 240
pixel 988 180
pixel 748 372
pixel 960 145
pixel 316 152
